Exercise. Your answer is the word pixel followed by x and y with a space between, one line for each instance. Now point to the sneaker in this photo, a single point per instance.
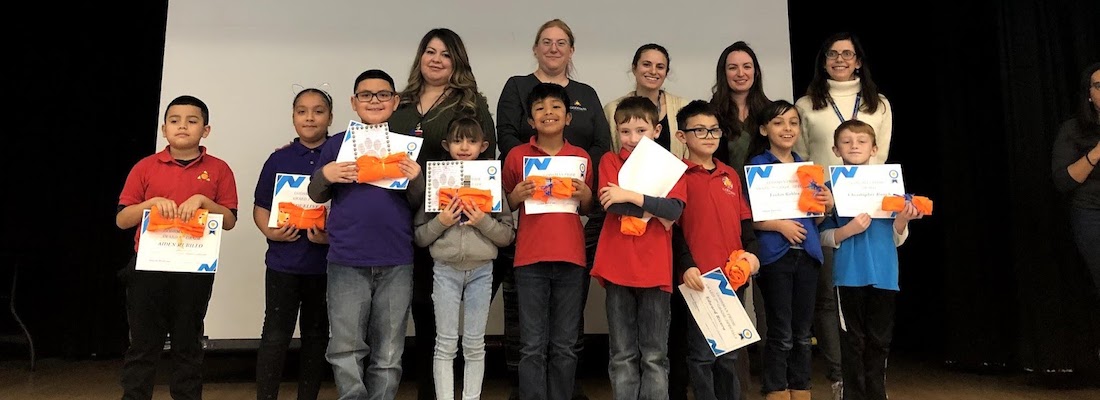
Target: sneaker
pixel 838 390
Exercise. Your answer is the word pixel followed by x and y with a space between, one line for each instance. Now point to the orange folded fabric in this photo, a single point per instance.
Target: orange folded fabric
pixel 194 227
pixel 482 198
pixel 632 226
pixel 737 270
pixel 301 218
pixel 812 179
pixel 897 203
pixel 375 169
pixel 551 186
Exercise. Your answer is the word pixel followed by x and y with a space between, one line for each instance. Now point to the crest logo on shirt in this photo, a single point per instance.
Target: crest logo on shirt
pixel 727 186
pixel 204 176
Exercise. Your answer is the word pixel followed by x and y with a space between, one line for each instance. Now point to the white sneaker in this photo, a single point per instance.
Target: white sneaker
pixel 838 390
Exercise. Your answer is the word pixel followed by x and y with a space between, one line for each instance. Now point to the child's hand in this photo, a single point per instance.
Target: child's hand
pixel 167 207
pixel 792 230
pixel 858 224
pixel 285 233
pixel 825 196
pixel 693 280
pixel 472 212
pixel 522 191
pixel 409 167
pixel 909 213
pixel 613 194
pixel 448 216
pixel 341 172
pixel 753 261
pixel 188 208
pixel 580 190
pixel 319 236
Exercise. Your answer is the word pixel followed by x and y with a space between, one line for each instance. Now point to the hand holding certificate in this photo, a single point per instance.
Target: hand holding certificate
pixel 374 147
pixel 651 170
pixel 719 314
pixel 551 174
pixel 174 250
pixel 477 174
pixel 774 191
pixel 860 189
pixel 291 201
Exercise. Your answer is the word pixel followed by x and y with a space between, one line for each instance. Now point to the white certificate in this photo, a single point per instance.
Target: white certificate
pixel 377 141
pixel 477 174
pixel 174 251
pixel 290 188
pixel 719 314
pixel 860 188
pixel 651 170
pixel 556 166
pixel 774 191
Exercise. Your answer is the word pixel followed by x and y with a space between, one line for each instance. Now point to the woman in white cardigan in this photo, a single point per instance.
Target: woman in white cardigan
pixel 650 67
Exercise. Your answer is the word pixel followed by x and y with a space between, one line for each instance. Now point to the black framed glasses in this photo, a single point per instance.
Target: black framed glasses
pixel 381 95
pixel 846 54
pixel 703 133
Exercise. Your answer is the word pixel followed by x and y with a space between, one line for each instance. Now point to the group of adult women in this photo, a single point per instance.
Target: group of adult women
pixel 441 87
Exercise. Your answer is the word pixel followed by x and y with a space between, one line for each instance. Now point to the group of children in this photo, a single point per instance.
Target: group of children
pixel 352 280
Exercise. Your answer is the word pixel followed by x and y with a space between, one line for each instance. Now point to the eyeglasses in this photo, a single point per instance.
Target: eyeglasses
pixel 846 54
pixel 703 133
pixel 382 95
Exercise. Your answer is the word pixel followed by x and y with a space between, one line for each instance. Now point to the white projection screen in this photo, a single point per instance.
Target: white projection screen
pixel 242 58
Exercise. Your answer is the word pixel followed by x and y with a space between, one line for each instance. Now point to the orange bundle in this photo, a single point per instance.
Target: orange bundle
pixel 812 179
pixel 551 186
pixel 373 169
pixel 737 270
pixel 301 218
pixel 194 227
pixel 481 198
pixel 896 203
pixel 632 226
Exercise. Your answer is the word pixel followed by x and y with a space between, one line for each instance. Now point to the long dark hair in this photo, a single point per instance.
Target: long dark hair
pixel 722 98
pixel 462 74
pixel 758 143
pixel 819 86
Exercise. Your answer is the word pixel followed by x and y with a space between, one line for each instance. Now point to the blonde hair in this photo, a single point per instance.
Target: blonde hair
pixel 855 126
pixel 558 23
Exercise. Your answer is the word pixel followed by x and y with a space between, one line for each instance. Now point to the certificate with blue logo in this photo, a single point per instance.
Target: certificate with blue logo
pixel 171 250
pixel 774 191
pixel 860 188
pixel 290 188
pixel 719 314
pixel 553 167
pixel 475 174
pixel 377 141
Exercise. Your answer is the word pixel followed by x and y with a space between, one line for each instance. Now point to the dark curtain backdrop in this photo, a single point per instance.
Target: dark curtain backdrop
pixel 977 88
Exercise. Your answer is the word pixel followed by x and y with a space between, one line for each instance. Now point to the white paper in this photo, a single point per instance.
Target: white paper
pixel 478 174
pixel 719 314
pixel 290 188
pixel 173 251
pixel 774 191
pixel 860 188
pixel 377 140
pixel 556 166
pixel 651 170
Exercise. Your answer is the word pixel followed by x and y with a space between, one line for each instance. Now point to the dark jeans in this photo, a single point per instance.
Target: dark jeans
pixel 285 294
pixel 423 315
pixel 713 378
pixel 549 307
pixel 504 279
pixel 789 287
pixel 869 327
pixel 637 322
pixel 1086 225
pixel 827 318
pixel 159 304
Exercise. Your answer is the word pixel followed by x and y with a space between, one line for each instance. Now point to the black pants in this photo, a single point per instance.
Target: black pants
pixel 160 304
pixel 285 294
pixel 680 321
pixel 868 328
pixel 423 313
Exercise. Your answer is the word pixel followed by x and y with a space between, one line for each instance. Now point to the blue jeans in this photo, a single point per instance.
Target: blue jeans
pixel 637 324
pixel 712 378
pixel 368 311
pixel 789 287
pixel 471 290
pixel 549 307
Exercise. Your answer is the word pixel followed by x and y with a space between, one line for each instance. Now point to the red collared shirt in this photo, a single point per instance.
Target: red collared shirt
pixel 716 205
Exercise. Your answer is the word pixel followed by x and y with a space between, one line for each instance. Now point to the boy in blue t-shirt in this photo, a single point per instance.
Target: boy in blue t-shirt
pixel 866 274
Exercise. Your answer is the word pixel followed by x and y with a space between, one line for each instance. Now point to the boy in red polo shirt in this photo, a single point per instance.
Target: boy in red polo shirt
pixel 179 180
pixel 635 264
pixel 715 222
pixel 550 261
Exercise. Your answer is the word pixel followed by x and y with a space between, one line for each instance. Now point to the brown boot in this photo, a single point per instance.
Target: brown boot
pixel 778 395
pixel 800 395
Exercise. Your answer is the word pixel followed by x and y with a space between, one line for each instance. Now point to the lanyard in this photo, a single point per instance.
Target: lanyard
pixel 855 110
pixel 420 132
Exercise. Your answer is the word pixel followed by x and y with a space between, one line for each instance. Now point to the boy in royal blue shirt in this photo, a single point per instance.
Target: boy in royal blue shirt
pixel 866 275
pixel 370 256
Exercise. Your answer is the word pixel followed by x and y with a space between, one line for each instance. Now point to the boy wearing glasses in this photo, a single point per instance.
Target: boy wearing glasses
pixel 715 222
pixel 370 256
